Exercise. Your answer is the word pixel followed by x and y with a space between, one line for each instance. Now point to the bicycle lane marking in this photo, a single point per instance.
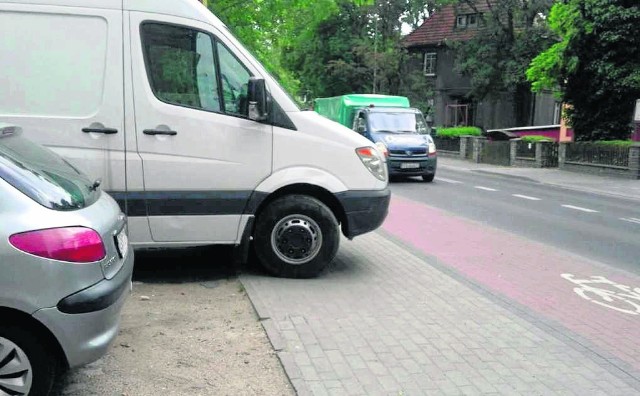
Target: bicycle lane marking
pixel 607 293
pixel 527 272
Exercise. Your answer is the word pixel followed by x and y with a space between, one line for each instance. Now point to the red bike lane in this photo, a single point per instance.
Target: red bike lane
pixel 595 301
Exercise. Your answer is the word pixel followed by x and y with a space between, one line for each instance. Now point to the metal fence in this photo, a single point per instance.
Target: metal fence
pixel 599 154
pixel 496 153
pixel 447 144
pixel 526 150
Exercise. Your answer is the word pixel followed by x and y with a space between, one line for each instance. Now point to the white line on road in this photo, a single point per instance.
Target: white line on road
pixel 526 197
pixel 631 220
pixel 486 188
pixel 579 208
pixel 448 180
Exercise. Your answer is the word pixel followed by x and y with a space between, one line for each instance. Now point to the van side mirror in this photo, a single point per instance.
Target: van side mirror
pixel 257 98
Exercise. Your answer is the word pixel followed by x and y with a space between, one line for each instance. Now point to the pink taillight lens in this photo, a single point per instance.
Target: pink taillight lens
pixel 74 244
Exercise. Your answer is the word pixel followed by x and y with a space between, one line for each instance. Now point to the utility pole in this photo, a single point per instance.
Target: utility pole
pixel 375 54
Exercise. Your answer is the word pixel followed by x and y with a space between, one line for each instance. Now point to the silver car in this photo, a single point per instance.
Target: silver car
pixel 65 266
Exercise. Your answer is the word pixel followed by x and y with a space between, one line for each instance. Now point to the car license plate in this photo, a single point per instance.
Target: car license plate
pixel 409 165
pixel 122 242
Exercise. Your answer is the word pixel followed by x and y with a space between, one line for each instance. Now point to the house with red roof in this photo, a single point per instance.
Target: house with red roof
pixel 450 102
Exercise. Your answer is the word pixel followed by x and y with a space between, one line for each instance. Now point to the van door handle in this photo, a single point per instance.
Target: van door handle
pixel 154 132
pixel 106 131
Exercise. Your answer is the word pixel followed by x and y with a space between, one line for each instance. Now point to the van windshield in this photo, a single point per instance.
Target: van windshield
pixel 42 175
pixel 397 122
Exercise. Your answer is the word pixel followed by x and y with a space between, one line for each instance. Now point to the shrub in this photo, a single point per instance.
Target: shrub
pixel 458 131
pixel 621 143
pixel 535 138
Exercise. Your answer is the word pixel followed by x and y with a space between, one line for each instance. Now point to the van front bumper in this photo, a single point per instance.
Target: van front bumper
pixel 365 210
pixel 86 322
pixel 420 166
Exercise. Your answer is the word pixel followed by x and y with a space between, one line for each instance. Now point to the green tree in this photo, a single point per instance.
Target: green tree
pixel 511 33
pixel 269 27
pixel 358 50
pixel 594 66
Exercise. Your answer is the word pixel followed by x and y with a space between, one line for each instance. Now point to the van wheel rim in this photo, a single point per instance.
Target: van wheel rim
pixel 296 239
pixel 16 374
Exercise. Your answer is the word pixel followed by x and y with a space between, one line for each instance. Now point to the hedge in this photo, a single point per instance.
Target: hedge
pixel 458 131
pixel 622 143
pixel 535 138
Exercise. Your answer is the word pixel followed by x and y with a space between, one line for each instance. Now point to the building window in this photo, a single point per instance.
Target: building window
pixel 557 113
pixel 472 20
pixel 430 64
pixel 468 20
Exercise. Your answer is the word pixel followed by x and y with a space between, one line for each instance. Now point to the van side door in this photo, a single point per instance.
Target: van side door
pixel 61 80
pixel 202 157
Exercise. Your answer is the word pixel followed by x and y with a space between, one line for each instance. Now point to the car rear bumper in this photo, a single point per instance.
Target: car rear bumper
pixel 365 210
pixel 86 322
pixel 426 166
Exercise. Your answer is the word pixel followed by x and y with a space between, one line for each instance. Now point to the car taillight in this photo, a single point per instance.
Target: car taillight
pixel 74 244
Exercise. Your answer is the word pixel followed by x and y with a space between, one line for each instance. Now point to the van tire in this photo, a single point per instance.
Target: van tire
pixel 41 357
pixel 428 178
pixel 314 229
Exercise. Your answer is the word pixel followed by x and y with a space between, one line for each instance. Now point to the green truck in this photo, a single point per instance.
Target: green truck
pixel 389 122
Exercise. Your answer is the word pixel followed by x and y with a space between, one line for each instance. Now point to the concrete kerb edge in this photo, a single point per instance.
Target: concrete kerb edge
pixel 273 334
pixel 488 172
pixel 620 369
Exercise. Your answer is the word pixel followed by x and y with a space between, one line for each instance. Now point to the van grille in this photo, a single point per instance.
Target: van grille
pixel 408 152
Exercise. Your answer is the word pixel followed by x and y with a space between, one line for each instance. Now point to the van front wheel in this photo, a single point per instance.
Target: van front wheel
pixel 296 237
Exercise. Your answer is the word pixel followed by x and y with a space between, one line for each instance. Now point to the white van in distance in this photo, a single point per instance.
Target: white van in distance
pixel 190 134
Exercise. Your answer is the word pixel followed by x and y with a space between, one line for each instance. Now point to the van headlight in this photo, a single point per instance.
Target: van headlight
pixel 432 145
pixel 374 161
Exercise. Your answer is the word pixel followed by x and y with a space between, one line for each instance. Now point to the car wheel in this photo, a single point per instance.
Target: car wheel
pixel 428 178
pixel 296 237
pixel 27 364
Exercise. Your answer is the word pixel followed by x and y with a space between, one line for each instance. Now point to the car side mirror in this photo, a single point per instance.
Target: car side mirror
pixel 257 98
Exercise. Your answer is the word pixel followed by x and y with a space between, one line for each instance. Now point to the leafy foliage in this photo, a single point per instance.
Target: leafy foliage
pixel 458 131
pixel 511 33
pixel 357 50
pixel 594 66
pixel 268 28
pixel 620 143
pixel 535 138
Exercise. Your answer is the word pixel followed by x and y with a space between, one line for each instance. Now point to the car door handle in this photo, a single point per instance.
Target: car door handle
pixel 106 131
pixel 159 132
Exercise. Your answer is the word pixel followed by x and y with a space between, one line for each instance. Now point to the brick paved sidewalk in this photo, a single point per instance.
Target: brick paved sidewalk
pixel 384 321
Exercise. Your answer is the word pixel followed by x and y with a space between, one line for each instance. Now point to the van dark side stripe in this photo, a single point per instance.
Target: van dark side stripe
pixel 187 203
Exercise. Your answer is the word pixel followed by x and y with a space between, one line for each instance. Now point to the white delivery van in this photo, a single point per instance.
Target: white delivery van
pixel 159 103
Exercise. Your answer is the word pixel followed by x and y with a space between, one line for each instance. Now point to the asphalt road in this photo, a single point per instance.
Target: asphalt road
pixel 603 228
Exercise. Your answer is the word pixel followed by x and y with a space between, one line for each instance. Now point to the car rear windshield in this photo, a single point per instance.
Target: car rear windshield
pixel 42 175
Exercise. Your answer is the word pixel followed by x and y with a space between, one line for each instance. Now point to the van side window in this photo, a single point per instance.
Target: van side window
pixel 235 80
pixel 181 66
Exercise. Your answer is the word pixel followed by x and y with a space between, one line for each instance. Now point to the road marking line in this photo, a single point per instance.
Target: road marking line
pixel 579 208
pixel 526 197
pixel 485 188
pixel 448 180
pixel 631 220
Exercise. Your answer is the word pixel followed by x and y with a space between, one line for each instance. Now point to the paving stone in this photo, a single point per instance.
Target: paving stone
pixel 382 321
